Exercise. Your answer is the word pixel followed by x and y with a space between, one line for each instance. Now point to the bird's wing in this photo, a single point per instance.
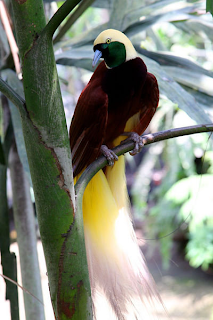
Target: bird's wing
pixel 88 125
pixel 149 103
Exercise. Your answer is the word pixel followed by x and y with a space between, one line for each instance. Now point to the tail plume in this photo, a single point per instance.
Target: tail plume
pixel 122 287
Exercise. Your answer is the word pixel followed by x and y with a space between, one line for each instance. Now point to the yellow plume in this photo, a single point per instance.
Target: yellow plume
pixel 121 285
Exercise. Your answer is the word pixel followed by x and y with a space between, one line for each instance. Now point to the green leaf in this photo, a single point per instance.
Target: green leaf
pixel 85 38
pixel 191 79
pixel 196 26
pixel 173 91
pixel 205 101
pixel 142 18
pixel 168 59
pixel 146 23
pixel 83 52
pixel 209 6
pixel 78 63
pixel 179 192
pixel 190 75
pixel 194 196
pixel 78 57
pixel 200 246
pixel 11 78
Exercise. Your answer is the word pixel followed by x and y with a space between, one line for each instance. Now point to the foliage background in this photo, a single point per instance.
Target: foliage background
pixel 171 188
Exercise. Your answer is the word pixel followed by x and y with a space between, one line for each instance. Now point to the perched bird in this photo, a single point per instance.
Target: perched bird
pixel 118 102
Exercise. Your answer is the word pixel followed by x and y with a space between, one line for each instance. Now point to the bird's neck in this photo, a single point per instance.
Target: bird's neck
pixel 120 80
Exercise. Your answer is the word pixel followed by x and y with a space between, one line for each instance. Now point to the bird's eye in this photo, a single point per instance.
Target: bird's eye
pixel 108 40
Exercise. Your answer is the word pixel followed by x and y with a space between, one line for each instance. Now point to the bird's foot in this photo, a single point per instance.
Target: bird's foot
pixel 137 139
pixel 109 155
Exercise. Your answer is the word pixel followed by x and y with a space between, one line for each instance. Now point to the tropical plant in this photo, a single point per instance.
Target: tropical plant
pixel 40 119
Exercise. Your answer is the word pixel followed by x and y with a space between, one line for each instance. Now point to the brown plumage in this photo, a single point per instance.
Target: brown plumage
pixel 109 100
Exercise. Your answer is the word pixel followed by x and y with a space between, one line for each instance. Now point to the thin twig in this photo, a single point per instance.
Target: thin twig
pixel 18 285
pixel 101 162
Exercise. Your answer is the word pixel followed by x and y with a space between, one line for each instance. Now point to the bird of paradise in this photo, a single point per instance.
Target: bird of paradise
pixel 118 103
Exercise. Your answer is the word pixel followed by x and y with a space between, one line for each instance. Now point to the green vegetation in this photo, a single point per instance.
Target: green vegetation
pixel 175 40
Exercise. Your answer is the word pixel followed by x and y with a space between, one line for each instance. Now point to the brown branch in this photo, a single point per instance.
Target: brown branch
pixel 127 146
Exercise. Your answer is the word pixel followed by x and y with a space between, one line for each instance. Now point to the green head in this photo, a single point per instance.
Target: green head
pixel 114 47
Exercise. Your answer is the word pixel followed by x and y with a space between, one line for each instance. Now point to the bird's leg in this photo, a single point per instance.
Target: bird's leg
pixel 137 139
pixel 109 155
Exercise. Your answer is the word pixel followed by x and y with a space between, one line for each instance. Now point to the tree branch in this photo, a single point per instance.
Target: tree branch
pixel 127 146
pixel 73 17
pixel 14 97
pixel 59 16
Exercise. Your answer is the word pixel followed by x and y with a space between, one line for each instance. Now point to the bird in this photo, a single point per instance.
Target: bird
pixel 118 103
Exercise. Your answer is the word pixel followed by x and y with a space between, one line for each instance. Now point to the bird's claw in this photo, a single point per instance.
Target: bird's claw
pixel 138 140
pixel 109 155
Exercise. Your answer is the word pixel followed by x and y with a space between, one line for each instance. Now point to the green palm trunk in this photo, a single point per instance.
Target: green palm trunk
pixel 49 157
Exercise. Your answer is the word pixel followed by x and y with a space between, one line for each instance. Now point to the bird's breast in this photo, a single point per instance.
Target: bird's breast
pixel 123 82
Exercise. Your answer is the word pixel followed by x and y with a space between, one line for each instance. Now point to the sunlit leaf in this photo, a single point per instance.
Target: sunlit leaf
pixel 160 7
pixel 150 21
pixel 195 25
pixel 194 80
